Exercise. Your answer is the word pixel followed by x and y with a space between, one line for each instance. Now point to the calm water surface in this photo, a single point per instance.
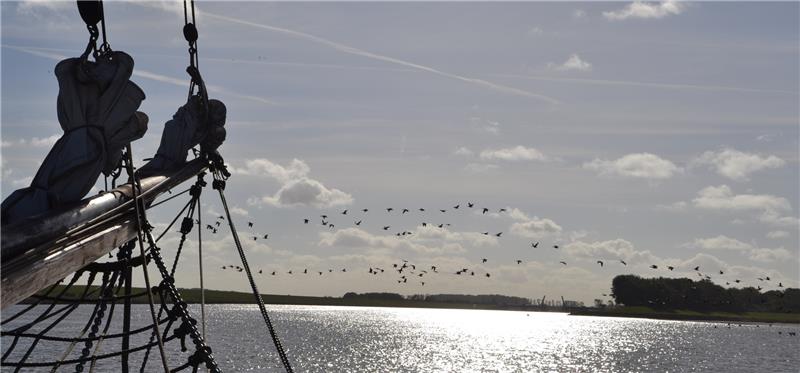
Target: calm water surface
pixel 359 339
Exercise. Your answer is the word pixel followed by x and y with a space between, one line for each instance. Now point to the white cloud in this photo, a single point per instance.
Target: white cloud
pixel 463 151
pixel 639 165
pixel 44 142
pixel 722 198
pixel 754 252
pixel 480 167
pixel 517 153
pixel 535 31
pixel 720 242
pixel 573 63
pixel 22 182
pixel 737 165
pixel 639 9
pixel 611 249
pixel 777 234
pixel 354 238
pixel 239 211
pixel 578 14
pixel 297 189
pixel 536 228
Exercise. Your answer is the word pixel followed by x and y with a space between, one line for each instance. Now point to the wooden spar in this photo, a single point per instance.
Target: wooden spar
pixel 40 250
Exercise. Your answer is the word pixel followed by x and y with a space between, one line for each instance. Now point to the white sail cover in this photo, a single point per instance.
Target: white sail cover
pixel 97 106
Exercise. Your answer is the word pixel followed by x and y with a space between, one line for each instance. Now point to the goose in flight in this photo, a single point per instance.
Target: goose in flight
pixel 535 245
pixel 563 262
pixel 344 212
pixel 484 260
pixel 623 262
pixel 519 261
pixel 485 210
pixel 653 266
pixel 405 211
pixel 498 234
pixel 305 221
pixel 250 224
pixel 470 204
pixel 600 262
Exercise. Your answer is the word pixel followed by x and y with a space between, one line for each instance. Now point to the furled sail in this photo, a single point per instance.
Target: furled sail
pixel 97 106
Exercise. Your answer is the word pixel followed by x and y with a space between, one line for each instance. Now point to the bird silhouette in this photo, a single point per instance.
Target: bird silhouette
pixel 470 204
pixel 563 262
pixel 266 236
pixel 697 268
pixel 653 266
pixel 364 210
pixel 502 210
pixel 555 246
pixel 483 260
pixel 422 210
pixel 305 221
pixel 600 262
pixel 250 224
pixel 386 228
pixel 485 210
pixel 323 217
pixel 255 238
pixel 519 261
pixel 670 268
pixel 498 234
pixel 535 245
pixel 273 273
pixel 389 209
pixel 443 210
pixel 259 271
pixel 456 207
pixel 623 262
pixel 344 212
pixel 485 233
pixel 424 224
pixel 488 275
pixel 358 222
pixel 722 273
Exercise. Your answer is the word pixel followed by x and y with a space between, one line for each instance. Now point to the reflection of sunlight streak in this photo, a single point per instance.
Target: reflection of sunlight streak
pixel 147 75
pixel 363 53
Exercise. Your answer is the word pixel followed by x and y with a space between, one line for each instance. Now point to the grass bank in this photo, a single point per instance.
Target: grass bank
pixel 649 313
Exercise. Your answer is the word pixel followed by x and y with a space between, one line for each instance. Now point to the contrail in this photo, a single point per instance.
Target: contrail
pixel 148 75
pixel 360 52
pixel 646 84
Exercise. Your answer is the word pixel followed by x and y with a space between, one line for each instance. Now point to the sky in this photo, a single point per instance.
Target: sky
pixel 659 133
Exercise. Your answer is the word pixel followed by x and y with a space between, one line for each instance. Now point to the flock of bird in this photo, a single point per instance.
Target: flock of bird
pixel 406 270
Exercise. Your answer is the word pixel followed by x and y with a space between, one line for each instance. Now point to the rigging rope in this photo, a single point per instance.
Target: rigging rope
pixel 219 185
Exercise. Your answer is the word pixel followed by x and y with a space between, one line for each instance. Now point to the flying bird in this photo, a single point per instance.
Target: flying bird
pixel 697 268
pixel 563 262
pixel 535 245
pixel 250 224
pixel 600 262
pixel 470 204
pixel 670 268
pixel 485 210
pixel 623 262
pixel 405 211
pixel 389 209
pixel 456 207
pixel 653 266
pixel 266 236
pixel 386 228
pixel 305 221
pixel 364 210
pixel 344 212
pixel 358 222
pixel 498 234
pixel 555 246
pixel 483 260
pixel 519 261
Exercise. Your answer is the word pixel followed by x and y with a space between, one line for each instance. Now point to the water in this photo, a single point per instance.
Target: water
pixel 359 339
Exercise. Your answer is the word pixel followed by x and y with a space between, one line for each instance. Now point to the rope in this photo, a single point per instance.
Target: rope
pixel 135 187
pixel 219 185
pixel 200 259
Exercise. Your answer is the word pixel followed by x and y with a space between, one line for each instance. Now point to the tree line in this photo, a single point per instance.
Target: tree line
pixel 704 295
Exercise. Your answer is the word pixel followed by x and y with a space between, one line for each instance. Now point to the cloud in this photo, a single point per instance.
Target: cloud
pixel 374 56
pixel 573 63
pixel 578 14
pixel 44 142
pixel 753 252
pixel 645 10
pixel 720 242
pixel 777 234
pixel 354 238
pixel 480 167
pixel 297 189
pixel 536 228
pixel 639 165
pixel 722 198
pixel 737 165
pixel 517 153
pixel 239 211
pixel 612 249
pixel 535 31
pixel 463 151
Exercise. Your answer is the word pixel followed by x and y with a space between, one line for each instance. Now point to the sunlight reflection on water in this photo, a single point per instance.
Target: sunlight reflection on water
pixel 363 339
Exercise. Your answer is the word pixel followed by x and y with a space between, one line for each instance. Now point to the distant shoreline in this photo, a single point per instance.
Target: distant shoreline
pixel 685 315
pixel 192 296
